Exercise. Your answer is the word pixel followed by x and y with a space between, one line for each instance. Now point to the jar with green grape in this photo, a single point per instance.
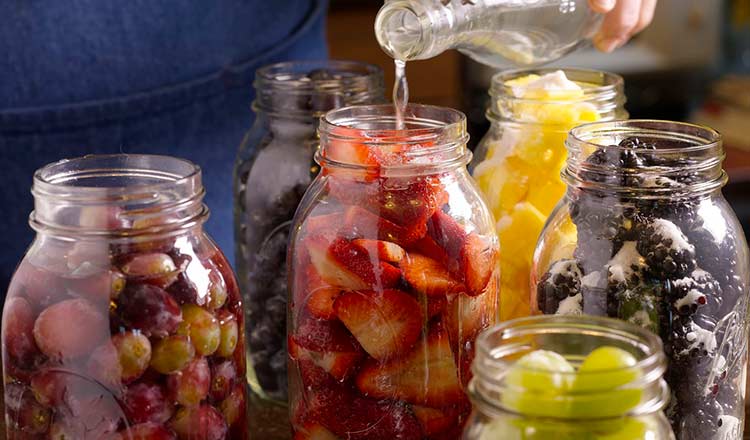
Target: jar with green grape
pixel 568 378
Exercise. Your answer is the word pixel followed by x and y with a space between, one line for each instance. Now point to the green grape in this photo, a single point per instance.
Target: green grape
pixel 172 354
pixel 630 429
pixel 202 328
pixel 537 384
pixel 601 386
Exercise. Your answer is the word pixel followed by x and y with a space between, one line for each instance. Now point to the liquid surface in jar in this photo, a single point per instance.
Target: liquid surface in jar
pixel 520 175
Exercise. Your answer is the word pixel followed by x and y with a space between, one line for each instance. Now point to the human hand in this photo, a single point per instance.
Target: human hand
pixel 622 20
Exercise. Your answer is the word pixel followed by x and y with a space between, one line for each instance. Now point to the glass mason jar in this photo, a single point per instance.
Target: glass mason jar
pixel 520 410
pixel 645 235
pixel 123 320
pixel 517 165
pixel 274 168
pixel 394 272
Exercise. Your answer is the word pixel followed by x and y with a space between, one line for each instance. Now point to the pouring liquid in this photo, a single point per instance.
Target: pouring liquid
pixel 400 93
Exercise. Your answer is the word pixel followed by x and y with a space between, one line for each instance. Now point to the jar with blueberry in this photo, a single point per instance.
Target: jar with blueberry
pixel 274 168
pixel 568 378
pixel 645 235
pixel 123 320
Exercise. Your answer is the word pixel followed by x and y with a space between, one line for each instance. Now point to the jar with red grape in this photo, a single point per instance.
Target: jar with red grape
pixel 394 266
pixel 124 319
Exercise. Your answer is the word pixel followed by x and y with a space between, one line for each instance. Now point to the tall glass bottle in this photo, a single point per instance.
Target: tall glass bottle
pixel 274 167
pixel 525 32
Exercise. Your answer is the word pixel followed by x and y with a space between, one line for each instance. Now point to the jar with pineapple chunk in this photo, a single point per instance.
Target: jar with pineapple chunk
pixel 124 320
pixel 517 165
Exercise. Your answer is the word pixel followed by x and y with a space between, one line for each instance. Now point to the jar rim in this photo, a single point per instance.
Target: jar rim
pixel 614 327
pixel 375 127
pixel 604 83
pixel 151 194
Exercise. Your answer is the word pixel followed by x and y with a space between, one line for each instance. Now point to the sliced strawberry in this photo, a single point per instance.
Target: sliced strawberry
pixel 386 323
pixel 426 376
pixel 434 420
pixel 471 257
pixel 329 268
pixel 464 318
pixel 350 416
pixel 339 364
pixel 375 273
pixel 314 431
pixel 428 276
pixel 364 223
pixel 385 250
pixel 323 336
pixel 432 306
pixel 320 302
pixel 429 248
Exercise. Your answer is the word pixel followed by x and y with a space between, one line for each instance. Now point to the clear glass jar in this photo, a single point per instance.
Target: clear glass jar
pixel 394 272
pixel 123 320
pixel 633 411
pixel 525 32
pixel 517 165
pixel 645 235
pixel 274 168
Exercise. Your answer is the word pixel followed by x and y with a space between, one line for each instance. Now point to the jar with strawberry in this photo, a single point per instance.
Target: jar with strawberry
pixel 394 273
pixel 123 320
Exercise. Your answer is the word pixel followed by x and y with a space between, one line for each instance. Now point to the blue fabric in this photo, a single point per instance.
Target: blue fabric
pixel 140 76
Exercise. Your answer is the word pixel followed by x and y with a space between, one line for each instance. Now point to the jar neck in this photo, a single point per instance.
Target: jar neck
pixel 602 94
pixel 573 337
pixel 117 196
pixel 306 90
pixel 370 140
pixel 645 159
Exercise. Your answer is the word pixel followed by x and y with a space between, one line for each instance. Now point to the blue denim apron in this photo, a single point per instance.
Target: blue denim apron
pixel 139 76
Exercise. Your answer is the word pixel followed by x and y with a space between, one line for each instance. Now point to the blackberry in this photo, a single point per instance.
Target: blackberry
pixel 666 250
pixel 637 143
pixel 687 294
pixel 559 287
pixel 613 165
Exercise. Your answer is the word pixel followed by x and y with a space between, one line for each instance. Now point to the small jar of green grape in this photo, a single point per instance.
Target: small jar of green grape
pixel 568 378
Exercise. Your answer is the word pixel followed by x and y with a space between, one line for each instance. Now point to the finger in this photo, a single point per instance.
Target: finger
pixel 647 15
pixel 618 25
pixel 602 6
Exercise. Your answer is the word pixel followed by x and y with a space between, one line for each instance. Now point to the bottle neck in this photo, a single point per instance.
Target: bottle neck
pixel 304 91
pixel 601 97
pixel 524 32
pixel 495 375
pixel 364 141
pixel 117 196
pixel 645 159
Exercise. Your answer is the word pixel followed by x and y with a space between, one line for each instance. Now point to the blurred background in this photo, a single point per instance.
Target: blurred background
pixel 692 64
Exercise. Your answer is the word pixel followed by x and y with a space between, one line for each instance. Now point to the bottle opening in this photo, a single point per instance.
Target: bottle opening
pixel 108 194
pixel 399 30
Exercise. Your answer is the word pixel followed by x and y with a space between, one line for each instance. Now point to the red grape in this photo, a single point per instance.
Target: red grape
pixel 203 422
pixel 18 326
pixel 95 284
pixel 104 365
pixel 190 386
pixel 223 377
pixel 149 309
pixel 24 412
pixel 69 329
pixel 148 431
pixel 146 403
pixel 134 354
pixel 233 407
pixel 172 354
pixel 155 268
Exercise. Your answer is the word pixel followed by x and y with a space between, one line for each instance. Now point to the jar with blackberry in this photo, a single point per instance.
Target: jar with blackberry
pixel 274 168
pixel 568 378
pixel 517 165
pixel 394 272
pixel 123 320
pixel 644 234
